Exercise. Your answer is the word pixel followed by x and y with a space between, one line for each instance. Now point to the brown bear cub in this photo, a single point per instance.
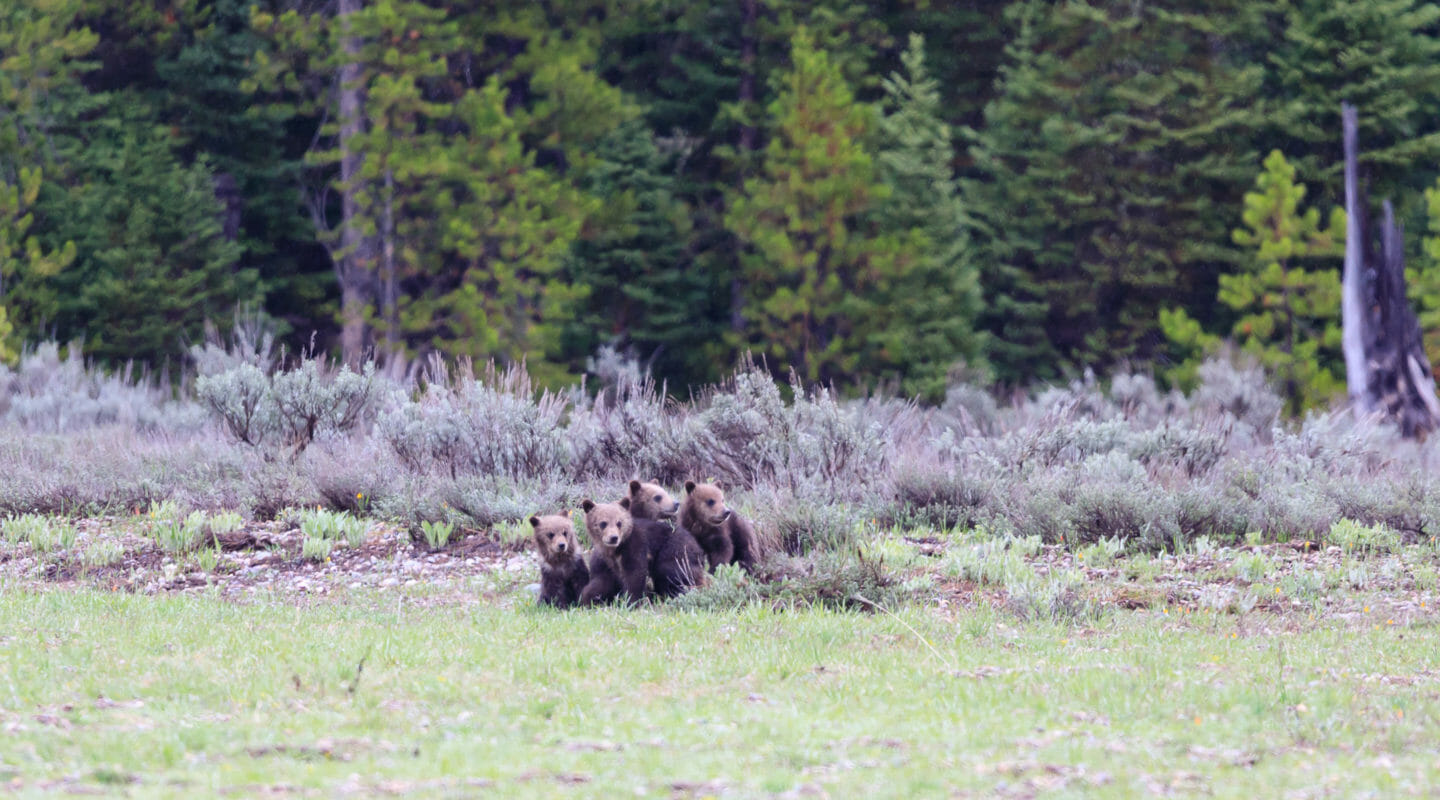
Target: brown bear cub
pixel 627 551
pixel 676 560
pixel 724 535
pixel 619 556
pixel 651 501
pixel 563 574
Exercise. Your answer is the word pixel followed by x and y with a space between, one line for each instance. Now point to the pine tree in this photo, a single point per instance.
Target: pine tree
pixel 1289 315
pixel 152 264
pixel 645 293
pixel 935 305
pixel 812 265
pixel 964 43
pixel 22 258
pixel 494 285
pixel 44 51
pixel 1423 276
pixel 1120 135
pixel 1383 56
pixel 456 167
pixel 200 87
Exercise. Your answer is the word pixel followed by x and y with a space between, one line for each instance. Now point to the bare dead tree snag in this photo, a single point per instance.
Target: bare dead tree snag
pixel 1387 371
pixel 1352 304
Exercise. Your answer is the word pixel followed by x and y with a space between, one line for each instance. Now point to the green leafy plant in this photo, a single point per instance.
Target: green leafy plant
pixel 102 554
pixel 1353 537
pixel 223 522
pixel 316 548
pixel 333 526
pixel 52 536
pixel 1251 567
pixel 23 528
pixel 207 558
pixel 437 534
pixel 1103 552
pixel 172 536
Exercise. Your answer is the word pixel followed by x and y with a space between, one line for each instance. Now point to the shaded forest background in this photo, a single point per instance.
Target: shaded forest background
pixel 876 194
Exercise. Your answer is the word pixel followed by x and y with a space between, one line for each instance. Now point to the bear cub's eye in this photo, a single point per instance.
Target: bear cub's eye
pixel 552 536
pixel 709 502
pixel 657 498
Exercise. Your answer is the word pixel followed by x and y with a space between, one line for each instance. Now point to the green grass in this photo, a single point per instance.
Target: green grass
pixel 201 696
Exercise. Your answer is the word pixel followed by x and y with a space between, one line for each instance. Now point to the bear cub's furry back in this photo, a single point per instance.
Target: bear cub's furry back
pixel 724 535
pixel 563 574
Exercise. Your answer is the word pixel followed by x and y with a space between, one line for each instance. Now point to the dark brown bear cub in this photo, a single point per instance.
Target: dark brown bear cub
pixel 676 560
pixel 563 574
pixel 651 501
pixel 619 558
pixel 724 535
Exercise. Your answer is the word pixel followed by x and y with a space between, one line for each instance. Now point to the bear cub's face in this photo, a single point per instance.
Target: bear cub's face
pixel 607 523
pixel 708 502
pixel 651 501
pixel 555 538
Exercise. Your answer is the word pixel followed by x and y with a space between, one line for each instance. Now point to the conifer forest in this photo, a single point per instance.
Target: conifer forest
pixel 878 196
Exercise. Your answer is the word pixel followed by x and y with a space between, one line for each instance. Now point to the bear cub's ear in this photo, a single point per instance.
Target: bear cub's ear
pixel 634 487
pixel 535 521
pixel 587 505
pixel 689 487
pixel 625 503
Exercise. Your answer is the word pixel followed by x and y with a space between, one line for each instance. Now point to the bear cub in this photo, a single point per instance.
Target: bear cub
pixel 724 535
pixel 651 501
pixel 619 556
pixel 676 560
pixel 627 551
pixel 563 574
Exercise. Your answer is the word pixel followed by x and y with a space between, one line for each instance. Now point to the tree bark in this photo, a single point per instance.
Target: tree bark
pixel 389 289
pixel 749 16
pixel 354 265
pixel 1352 294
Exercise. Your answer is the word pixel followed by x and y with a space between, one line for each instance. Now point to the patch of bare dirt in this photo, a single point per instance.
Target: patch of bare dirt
pixel 265 559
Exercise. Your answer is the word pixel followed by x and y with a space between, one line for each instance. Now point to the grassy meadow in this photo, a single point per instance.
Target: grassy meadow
pixel 369 694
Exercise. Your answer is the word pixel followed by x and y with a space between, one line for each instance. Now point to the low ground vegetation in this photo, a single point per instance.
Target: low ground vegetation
pixel 1074 465
pixel 1104 591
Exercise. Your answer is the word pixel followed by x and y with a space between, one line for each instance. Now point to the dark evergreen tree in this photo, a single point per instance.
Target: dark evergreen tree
pixel 814 261
pixel 201 88
pixel 1119 143
pixel 152 262
pixel 1288 304
pixel 645 293
pixel 933 307
pixel 964 43
pixel 1383 57
pixel 44 51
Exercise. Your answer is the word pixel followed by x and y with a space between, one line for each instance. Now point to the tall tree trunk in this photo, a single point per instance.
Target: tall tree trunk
pixel 355 264
pixel 1352 294
pixel 389 293
pixel 749 15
